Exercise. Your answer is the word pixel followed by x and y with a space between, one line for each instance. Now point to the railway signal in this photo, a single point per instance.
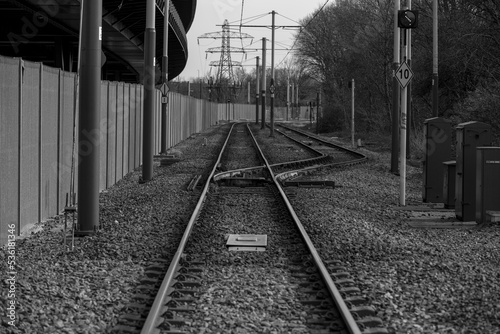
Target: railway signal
pixel 408 19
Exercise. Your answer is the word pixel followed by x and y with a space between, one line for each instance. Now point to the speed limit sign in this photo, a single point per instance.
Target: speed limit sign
pixel 404 74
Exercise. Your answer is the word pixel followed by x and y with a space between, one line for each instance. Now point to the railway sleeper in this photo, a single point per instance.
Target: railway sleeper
pixel 370 322
pixel 337 269
pixel 330 324
pixel 355 300
pixel 134 318
pixel 340 275
pixel 322 303
pixel 137 307
pixel 187 283
pixel 147 288
pixel 363 311
pixel 146 280
pixel 175 321
pixel 183 277
pixel 143 297
pixel 349 291
pixel 181 309
pixel 125 329
pixel 378 330
pixel 345 282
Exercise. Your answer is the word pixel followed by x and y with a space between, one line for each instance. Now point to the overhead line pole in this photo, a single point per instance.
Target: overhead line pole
pixel 149 92
pixel 395 93
pixel 409 99
pixel 263 88
pixel 435 76
pixel 89 117
pixel 164 76
pixel 257 87
pixel 402 157
pixel 272 88
pixel 287 96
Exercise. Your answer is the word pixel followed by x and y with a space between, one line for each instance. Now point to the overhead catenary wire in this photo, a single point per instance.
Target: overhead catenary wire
pixel 303 28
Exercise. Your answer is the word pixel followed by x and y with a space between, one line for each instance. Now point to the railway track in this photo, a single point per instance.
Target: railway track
pixel 245 264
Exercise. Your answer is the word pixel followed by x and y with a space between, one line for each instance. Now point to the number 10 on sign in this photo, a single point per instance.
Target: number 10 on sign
pixel 404 75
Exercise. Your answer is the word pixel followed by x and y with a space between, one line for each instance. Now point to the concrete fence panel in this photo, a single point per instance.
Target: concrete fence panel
pixel 49 128
pixel 9 146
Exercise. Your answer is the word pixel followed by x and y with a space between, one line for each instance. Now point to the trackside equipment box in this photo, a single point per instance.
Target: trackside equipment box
pixel 470 136
pixel 449 184
pixel 437 134
pixel 487 182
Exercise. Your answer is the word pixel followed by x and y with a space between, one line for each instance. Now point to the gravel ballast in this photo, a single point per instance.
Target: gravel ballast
pixel 420 280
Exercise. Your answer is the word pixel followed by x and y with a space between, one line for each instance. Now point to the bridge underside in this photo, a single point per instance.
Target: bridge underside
pixel 47 31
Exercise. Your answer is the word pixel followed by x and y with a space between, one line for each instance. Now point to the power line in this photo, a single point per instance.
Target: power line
pixel 288 18
pixel 303 28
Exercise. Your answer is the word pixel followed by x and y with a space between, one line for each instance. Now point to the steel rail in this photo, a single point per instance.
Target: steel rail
pixel 361 156
pixel 235 172
pixel 352 326
pixel 151 323
pixel 158 307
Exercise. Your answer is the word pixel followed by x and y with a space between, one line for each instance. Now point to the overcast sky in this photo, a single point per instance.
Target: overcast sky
pixel 210 13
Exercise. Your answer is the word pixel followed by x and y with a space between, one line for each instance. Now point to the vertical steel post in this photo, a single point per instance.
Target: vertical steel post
pixel 248 91
pixel 395 92
pixel 409 99
pixel 272 88
pixel 149 92
pixel 89 117
pixel 435 77
pixel 402 157
pixel 263 88
pixel 317 112
pixel 310 115
pixel 287 97
pixel 164 77
pixel 293 98
pixel 297 101
pixel 352 114
pixel 257 87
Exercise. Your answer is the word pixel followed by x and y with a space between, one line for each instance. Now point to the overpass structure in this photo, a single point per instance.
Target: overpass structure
pixel 47 31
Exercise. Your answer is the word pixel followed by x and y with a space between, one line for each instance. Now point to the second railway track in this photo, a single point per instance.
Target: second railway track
pixel 246 265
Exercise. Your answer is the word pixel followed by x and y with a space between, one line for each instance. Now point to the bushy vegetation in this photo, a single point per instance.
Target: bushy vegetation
pixel 353 39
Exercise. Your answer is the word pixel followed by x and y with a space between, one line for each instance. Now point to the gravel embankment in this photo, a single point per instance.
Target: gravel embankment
pixel 85 291
pixel 421 280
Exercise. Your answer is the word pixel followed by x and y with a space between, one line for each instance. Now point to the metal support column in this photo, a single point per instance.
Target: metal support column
pixel 164 77
pixel 263 88
pixel 272 88
pixel 435 77
pixel 89 117
pixel 395 93
pixel 317 112
pixel 149 92
pixel 257 87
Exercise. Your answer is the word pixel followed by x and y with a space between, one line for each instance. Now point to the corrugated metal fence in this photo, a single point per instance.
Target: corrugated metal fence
pixel 38 105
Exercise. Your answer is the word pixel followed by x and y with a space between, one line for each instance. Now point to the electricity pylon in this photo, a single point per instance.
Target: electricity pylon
pixel 225 84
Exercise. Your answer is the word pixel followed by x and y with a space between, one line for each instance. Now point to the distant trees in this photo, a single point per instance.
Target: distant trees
pixel 353 39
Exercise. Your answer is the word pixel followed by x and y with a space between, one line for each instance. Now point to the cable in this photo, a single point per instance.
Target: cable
pixel 303 28
pixel 253 18
pixel 288 18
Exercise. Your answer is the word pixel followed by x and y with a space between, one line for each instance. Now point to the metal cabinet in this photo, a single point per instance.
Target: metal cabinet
pixel 487 181
pixel 470 135
pixel 437 133
pixel 449 184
